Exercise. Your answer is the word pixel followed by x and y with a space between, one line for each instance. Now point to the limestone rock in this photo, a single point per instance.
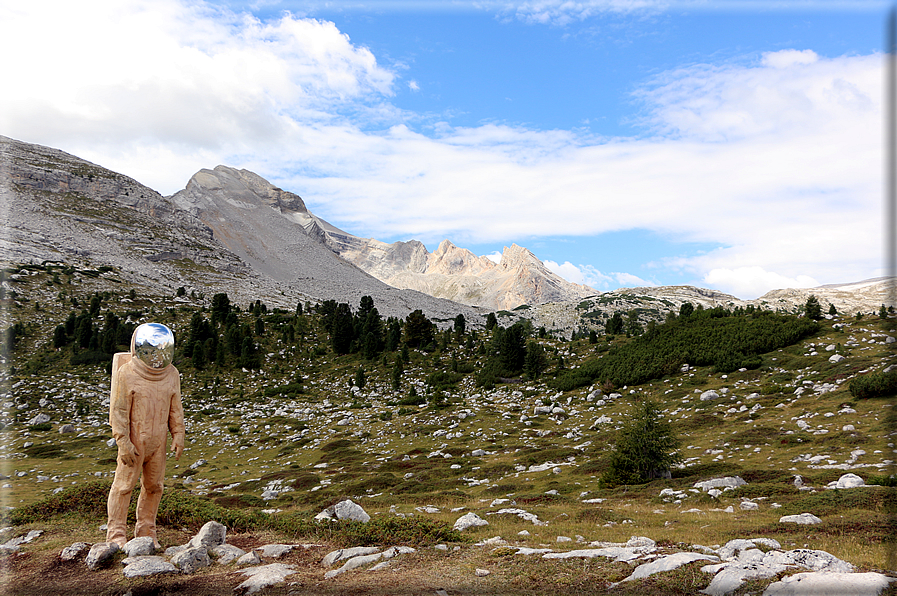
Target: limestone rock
pixel 344 510
pixel 74 551
pixel 191 559
pixel 354 563
pixel 227 553
pixel 347 510
pixel 725 482
pixel 850 481
pixel 39 419
pixel 830 584
pixel 469 520
pixel 145 565
pixel 667 563
pixel 250 558
pixel 143 545
pixel 67 429
pixel 803 518
pixel 209 536
pixel 262 577
pixel 274 551
pixel 347 553
pixel 100 554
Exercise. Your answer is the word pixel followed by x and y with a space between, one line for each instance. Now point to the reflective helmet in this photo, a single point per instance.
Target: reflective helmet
pixel 154 345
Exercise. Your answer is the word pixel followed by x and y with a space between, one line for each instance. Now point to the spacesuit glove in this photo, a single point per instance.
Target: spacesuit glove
pixel 177 445
pixel 128 453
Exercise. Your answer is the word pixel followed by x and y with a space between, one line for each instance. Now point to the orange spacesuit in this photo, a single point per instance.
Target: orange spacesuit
pixel 144 406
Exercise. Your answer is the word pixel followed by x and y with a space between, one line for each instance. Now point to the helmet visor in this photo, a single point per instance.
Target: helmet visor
pixel 154 345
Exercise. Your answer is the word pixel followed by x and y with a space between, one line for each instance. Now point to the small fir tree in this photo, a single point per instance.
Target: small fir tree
pixel 646 447
pixel 812 308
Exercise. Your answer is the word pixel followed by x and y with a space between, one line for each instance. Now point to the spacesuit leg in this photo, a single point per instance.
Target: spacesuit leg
pixel 119 499
pixel 150 494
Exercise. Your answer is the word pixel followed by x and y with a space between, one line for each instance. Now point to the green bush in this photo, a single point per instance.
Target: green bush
pixel 712 337
pixel 882 384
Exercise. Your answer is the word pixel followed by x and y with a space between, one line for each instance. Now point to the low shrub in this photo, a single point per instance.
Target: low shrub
pixel 882 384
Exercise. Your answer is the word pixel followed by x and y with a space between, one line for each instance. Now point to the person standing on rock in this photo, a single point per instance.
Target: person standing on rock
pixel 144 406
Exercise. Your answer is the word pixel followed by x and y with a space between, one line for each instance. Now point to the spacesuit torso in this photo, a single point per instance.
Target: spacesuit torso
pixel 145 404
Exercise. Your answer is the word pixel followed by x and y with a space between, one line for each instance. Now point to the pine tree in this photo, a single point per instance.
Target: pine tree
pixel 198 357
pixel 646 447
pixel 812 308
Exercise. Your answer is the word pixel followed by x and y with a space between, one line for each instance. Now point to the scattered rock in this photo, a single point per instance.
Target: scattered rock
pixel 347 510
pixel 100 554
pixel 209 536
pixel 191 559
pixel 727 482
pixel 274 551
pixel 144 565
pixel 144 545
pixel 482 572
pixel 830 584
pixel 262 577
pixel 347 553
pixel 74 551
pixel 849 481
pixel 469 520
pixel 39 419
pixel 667 563
pixel 67 429
pixel 250 558
pixel 227 553
pixel 803 518
pixel 353 563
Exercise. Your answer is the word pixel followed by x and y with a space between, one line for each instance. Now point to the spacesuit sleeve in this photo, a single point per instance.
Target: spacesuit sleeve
pixel 176 411
pixel 119 402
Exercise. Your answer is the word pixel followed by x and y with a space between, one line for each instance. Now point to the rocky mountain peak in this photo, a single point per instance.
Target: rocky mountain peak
pixel 448 259
pixel 515 256
pixel 240 186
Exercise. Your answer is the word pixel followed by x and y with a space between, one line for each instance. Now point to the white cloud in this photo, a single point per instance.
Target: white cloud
pixel 777 160
pixel 632 281
pixel 494 257
pixel 567 271
pixel 413 86
pixel 752 282
pixel 592 277
pixel 130 79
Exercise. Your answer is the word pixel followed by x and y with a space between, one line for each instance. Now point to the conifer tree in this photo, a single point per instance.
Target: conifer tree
pixel 646 447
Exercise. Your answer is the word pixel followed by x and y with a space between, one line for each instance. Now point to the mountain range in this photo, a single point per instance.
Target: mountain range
pixel 231 230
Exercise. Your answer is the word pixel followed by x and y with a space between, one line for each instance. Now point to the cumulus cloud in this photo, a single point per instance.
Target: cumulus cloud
pixel 592 277
pixel 753 282
pixel 140 78
pixel 494 257
pixel 778 160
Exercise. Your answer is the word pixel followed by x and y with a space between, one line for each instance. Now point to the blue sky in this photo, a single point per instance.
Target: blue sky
pixel 730 145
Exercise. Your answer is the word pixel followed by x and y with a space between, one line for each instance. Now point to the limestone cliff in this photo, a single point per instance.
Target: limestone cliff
pixel 457 274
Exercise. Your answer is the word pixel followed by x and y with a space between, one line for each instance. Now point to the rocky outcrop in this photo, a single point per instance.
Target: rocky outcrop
pixel 862 296
pixel 457 274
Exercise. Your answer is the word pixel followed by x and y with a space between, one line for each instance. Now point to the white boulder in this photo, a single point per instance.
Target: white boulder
pixel 803 518
pixel 469 520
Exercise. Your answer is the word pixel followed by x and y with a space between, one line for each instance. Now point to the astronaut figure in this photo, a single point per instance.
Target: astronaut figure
pixel 144 406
